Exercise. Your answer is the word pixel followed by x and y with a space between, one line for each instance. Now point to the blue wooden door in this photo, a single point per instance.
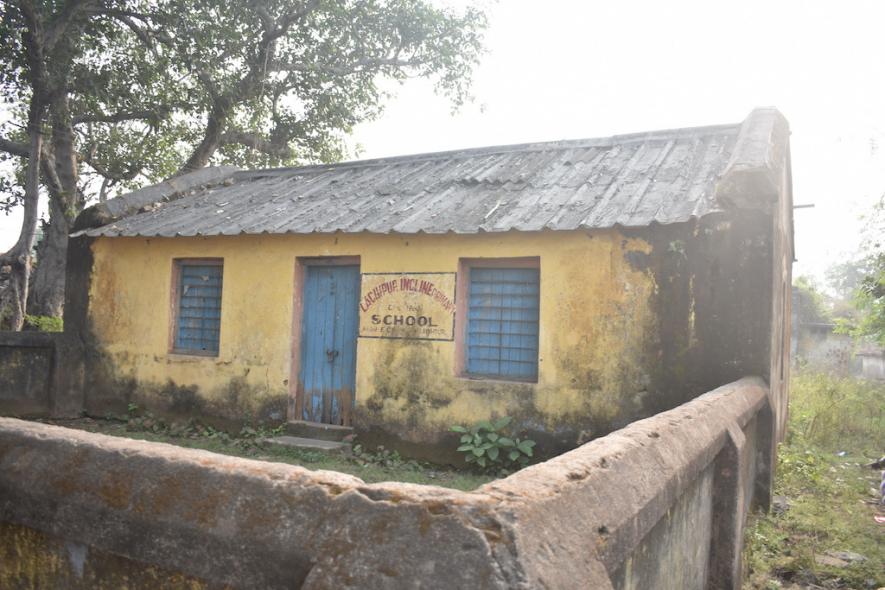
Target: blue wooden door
pixel 328 343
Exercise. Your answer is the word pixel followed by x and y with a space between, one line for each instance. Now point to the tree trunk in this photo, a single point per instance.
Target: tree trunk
pixel 19 257
pixel 215 126
pixel 47 292
pixel 46 295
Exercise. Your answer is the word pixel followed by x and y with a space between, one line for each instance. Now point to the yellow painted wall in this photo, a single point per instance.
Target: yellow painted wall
pixel 595 320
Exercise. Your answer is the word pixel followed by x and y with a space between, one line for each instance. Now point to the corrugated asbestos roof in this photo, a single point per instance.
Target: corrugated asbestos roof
pixel 629 180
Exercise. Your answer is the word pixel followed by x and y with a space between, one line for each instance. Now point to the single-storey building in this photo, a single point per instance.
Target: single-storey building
pixel 871 361
pixel 574 286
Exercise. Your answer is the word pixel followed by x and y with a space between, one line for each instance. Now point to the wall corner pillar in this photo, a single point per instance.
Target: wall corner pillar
pixel 726 539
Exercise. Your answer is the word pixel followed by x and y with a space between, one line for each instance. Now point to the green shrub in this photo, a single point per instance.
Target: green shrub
pixel 838 413
pixel 486 445
pixel 828 500
pixel 45 323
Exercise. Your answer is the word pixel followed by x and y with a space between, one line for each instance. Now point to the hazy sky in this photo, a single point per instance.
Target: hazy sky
pixel 574 69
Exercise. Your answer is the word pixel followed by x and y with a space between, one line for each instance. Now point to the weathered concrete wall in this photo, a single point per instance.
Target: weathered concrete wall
pixel 32 559
pixel 712 305
pixel 596 321
pixel 29 362
pixel 676 552
pixel 26 362
pixel 40 375
pixel 618 512
pixel 632 323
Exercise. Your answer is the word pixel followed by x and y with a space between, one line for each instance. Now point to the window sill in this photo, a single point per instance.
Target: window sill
pixel 191 353
pixel 496 379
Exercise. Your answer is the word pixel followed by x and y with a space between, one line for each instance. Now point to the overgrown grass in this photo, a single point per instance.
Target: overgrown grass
pixel 370 467
pixel 45 323
pixel 831 495
pixel 837 413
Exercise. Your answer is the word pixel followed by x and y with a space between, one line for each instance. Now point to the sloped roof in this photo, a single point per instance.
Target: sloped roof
pixel 626 180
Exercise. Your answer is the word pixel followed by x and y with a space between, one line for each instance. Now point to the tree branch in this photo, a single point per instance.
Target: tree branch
pixel 287 20
pixel 56 29
pixel 131 172
pixel 356 67
pixel 50 176
pixel 259 66
pixel 14 148
pixel 139 115
pixel 33 39
pixel 258 143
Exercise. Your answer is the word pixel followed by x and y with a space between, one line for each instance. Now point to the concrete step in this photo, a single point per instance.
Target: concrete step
pixel 318 430
pixel 308 444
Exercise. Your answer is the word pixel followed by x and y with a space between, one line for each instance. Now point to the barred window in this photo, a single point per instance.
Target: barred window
pixel 198 314
pixel 502 323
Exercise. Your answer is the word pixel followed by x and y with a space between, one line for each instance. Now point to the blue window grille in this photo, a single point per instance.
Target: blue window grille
pixel 502 323
pixel 199 308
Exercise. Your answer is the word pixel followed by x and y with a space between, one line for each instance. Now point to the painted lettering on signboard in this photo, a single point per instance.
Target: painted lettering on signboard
pixel 419 306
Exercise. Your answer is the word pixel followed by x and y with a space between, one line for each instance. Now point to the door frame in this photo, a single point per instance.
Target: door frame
pixel 296 394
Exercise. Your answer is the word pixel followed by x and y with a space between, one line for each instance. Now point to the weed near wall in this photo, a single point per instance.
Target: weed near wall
pixel 837 413
pixel 826 497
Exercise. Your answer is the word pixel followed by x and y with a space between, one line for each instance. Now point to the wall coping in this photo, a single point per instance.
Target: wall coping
pixel 30 339
pixel 575 517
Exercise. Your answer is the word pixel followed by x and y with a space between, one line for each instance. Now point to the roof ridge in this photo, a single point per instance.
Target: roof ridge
pixel 561 144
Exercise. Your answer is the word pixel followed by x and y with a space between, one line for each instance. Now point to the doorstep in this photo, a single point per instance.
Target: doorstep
pixel 308 444
pixel 318 430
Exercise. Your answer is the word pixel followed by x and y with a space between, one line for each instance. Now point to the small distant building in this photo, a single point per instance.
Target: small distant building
pixel 574 286
pixel 817 346
pixel 872 361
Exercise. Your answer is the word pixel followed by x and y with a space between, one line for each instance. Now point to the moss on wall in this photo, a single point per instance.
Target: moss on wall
pixel 31 559
pixel 712 305
pixel 25 377
pixel 631 322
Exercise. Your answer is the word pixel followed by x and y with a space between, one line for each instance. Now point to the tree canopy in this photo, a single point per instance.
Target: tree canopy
pixel 809 302
pixel 869 283
pixel 107 95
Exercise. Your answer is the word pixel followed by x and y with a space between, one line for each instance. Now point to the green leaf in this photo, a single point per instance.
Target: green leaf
pixel 481 461
pixel 466 438
pixel 484 425
pixel 506 442
pixel 513 455
pixel 492 436
pixel 502 422
pixel 493 453
pixel 526 447
pixel 458 429
pixel 477 440
pixel 463 448
pixel 478 451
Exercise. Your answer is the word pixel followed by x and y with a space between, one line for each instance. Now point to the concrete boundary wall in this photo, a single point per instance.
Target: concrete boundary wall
pixel 658 503
pixel 40 375
pixel 27 361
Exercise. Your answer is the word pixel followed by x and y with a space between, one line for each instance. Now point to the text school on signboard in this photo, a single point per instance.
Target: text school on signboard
pixel 418 306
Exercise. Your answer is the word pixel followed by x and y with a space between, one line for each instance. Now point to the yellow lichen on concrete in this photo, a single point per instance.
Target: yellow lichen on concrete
pixel 31 559
pixel 595 319
pixel 607 325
